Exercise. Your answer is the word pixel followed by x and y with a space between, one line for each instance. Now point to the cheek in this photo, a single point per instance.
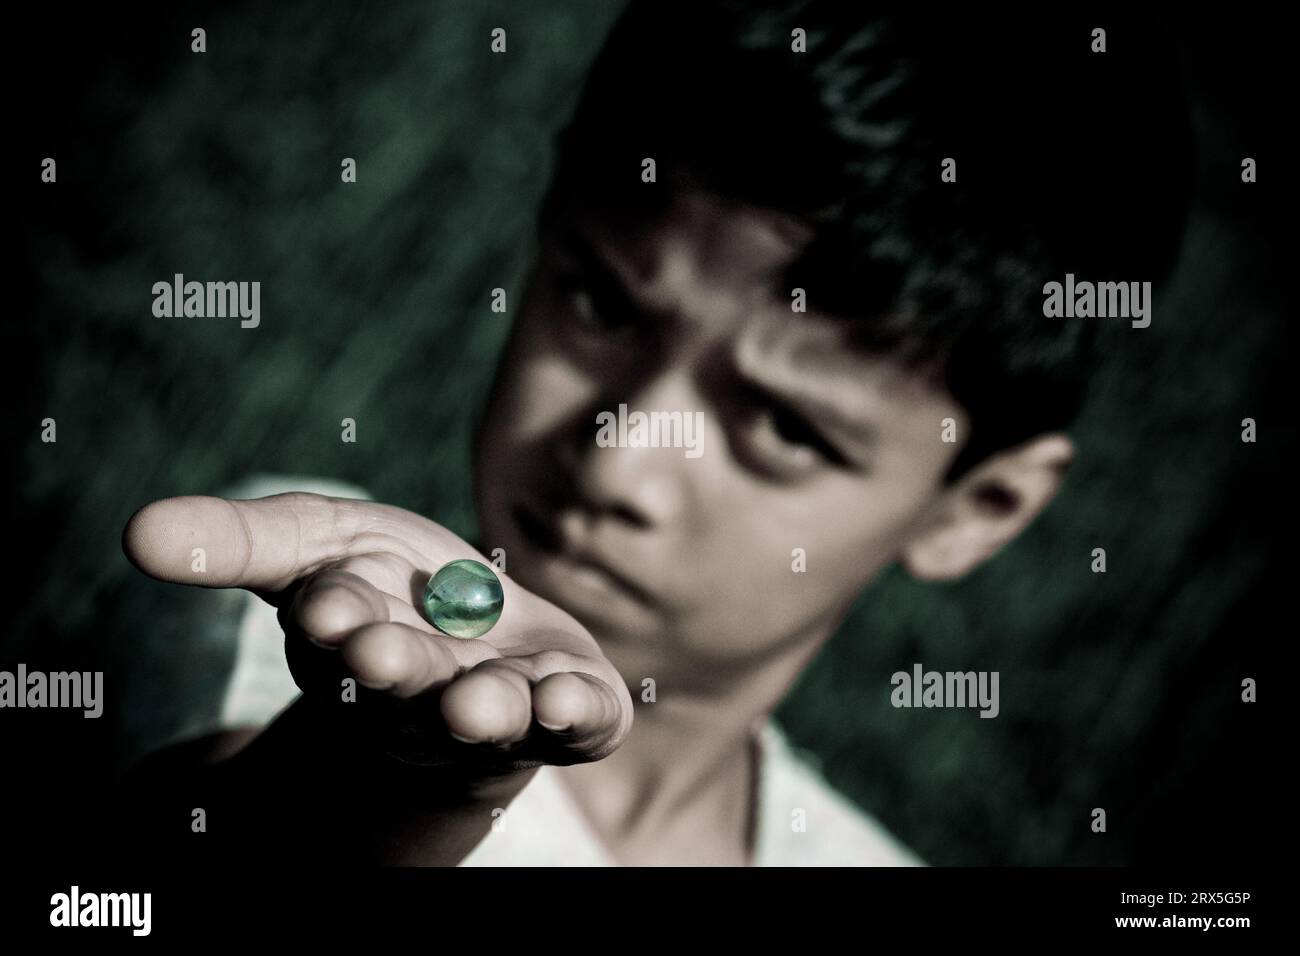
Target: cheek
pixel 784 560
pixel 536 391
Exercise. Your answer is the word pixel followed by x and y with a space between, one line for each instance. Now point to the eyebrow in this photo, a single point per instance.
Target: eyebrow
pixel 820 409
pixel 604 277
pixel 842 423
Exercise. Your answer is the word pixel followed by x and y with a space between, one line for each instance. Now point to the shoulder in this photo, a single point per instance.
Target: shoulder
pixel 804 821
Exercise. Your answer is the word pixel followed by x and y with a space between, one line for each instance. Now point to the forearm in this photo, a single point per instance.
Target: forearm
pixel 313 786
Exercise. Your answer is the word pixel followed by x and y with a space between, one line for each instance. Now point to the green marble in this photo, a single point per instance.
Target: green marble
pixel 463 599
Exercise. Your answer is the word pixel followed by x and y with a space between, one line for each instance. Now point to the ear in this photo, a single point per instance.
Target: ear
pixel 987 508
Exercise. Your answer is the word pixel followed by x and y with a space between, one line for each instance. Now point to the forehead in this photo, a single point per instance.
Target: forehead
pixel 712 270
pixel 698 239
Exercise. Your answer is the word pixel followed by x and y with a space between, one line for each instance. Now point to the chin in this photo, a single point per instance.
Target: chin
pixel 611 614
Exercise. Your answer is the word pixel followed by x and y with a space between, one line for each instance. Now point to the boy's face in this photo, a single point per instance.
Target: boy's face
pixel 677 562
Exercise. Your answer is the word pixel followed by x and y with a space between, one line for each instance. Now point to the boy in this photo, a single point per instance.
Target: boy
pixel 828 232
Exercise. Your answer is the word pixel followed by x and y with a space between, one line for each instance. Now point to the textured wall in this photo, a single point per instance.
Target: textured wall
pixel 1118 690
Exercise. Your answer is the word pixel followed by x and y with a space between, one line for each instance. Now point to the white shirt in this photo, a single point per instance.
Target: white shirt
pixel 800 819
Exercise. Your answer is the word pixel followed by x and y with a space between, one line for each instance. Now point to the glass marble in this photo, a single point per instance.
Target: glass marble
pixel 463 599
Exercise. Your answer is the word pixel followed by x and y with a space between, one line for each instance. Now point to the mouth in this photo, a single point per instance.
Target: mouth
pixel 580 564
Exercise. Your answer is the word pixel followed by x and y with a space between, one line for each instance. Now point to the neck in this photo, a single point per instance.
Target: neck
pixel 686 763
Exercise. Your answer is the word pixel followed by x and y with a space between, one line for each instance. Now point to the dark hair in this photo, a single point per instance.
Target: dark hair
pixel 1067 160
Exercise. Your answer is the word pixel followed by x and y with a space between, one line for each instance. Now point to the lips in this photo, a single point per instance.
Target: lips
pixel 549 539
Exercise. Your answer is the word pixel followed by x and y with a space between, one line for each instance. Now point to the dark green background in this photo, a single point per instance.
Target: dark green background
pixel 1118 690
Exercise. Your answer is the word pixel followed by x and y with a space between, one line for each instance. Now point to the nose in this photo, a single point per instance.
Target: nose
pixel 644 487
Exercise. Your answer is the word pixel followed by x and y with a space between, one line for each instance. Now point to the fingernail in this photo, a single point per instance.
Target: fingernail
pixel 556 728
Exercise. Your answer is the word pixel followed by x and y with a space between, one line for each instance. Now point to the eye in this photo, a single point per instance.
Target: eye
pixel 584 308
pixel 781 441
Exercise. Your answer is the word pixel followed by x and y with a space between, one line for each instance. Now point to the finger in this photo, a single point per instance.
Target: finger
pixel 492 703
pixel 401 612
pixel 391 578
pixel 332 604
pixel 262 544
pixel 580 701
pixel 582 713
pixel 399 581
pixel 329 606
pixel 572 704
pixel 398 660
pixel 389 572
